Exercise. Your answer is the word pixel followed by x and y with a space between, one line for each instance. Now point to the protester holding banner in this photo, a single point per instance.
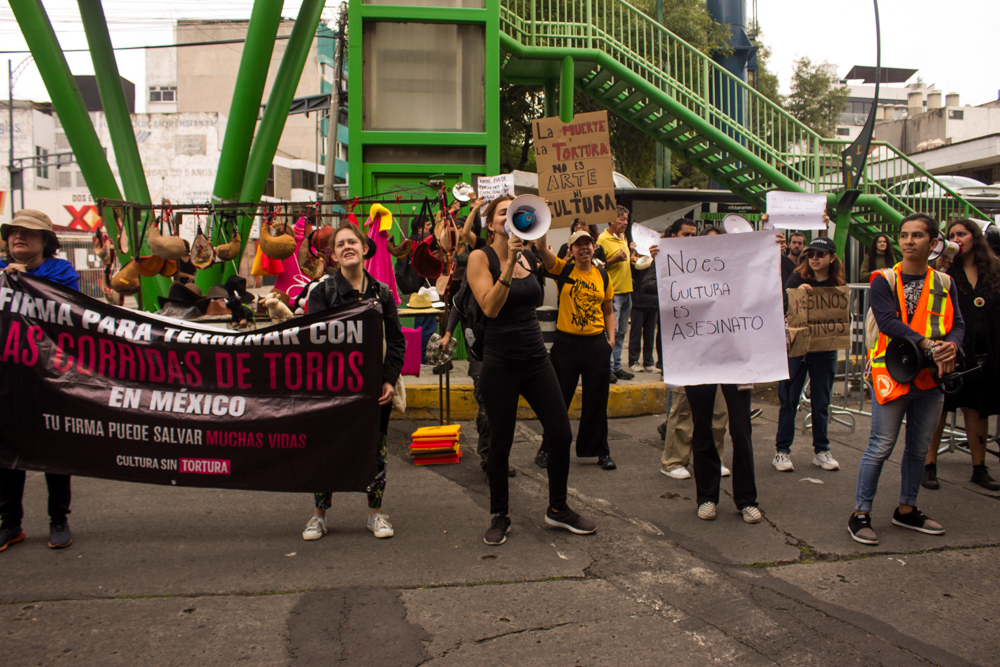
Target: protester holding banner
pixel 915 302
pixel 821 268
pixel 616 248
pixel 31 246
pixel 677 429
pixel 585 325
pixel 515 363
pixel 976 272
pixel 352 282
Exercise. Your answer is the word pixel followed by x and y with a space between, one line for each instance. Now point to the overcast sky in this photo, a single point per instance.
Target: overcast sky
pixel 950 42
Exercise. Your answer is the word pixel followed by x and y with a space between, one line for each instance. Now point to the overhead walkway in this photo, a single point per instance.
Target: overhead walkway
pixel 681 98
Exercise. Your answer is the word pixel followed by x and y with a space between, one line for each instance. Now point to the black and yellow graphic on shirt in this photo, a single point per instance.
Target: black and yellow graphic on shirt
pixel 580 303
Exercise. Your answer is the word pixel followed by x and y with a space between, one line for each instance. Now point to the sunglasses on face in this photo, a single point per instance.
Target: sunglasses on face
pixel 811 254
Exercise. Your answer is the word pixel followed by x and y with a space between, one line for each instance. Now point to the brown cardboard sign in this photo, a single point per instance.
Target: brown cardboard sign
pixel 824 312
pixel 799 337
pixel 575 171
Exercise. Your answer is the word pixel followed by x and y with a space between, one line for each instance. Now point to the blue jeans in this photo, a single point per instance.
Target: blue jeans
pixel 820 367
pixel 622 304
pixel 922 408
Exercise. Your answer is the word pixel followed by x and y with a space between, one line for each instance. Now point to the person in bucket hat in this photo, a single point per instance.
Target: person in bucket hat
pixel 32 246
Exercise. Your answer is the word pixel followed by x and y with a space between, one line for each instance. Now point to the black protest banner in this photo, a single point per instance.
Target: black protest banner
pixel 90 389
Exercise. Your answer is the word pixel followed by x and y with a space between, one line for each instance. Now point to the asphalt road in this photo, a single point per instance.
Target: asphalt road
pixel 171 576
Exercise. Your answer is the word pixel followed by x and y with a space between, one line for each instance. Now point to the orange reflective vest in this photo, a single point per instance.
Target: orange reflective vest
pixel 932 319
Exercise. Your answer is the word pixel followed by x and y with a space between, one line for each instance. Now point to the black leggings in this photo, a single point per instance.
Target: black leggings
pixel 707 474
pixel 535 379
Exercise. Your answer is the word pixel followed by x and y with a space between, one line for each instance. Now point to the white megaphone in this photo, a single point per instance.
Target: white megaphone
pixel 528 218
pixel 944 247
pixel 736 224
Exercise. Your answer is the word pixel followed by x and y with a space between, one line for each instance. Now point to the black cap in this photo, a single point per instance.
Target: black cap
pixel 823 244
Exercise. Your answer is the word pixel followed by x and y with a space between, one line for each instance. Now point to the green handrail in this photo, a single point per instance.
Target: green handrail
pixel 552 28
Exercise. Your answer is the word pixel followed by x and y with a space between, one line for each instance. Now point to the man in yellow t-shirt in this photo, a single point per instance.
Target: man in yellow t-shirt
pixel 584 329
pixel 619 254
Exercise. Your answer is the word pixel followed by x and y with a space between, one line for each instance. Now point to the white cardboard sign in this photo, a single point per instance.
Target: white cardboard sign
pixel 796 210
pixel 721 309
pixel 643 237
pixel 489 188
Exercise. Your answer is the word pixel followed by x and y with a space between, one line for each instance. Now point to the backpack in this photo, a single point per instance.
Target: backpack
pixel 568 269
pixel 471 315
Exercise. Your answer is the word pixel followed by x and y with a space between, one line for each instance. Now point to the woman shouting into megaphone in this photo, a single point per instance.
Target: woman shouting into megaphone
pixel 515 363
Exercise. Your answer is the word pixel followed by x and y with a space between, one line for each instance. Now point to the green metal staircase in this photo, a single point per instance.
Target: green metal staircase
pixel 676 95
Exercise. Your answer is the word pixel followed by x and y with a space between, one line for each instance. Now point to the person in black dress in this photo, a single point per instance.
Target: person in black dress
pixel 976 272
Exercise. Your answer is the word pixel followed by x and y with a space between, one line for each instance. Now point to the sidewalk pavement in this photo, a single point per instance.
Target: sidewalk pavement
pixel 168 576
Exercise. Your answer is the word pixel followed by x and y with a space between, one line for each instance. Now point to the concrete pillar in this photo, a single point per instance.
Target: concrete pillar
pixel 952 100
pixel 915 103
pixel 934 100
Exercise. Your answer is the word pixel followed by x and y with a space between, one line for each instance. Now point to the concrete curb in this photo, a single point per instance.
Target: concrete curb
pixel 631 400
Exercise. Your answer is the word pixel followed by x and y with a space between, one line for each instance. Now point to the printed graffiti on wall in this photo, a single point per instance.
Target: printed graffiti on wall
pixel 85 217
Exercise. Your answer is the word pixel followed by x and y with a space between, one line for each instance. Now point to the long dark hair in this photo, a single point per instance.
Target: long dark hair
pixel 987 264
pixel 888 255
pixel 836 270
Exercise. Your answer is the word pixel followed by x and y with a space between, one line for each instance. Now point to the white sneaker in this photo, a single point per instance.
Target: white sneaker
pixel 724 471
pixel 782 463
pixel 377 524
pixel 651 369
pixel 826 461
pixel 677 473
pixel 635 368
pixel 315 529
pixel 752 514
pixel 706 511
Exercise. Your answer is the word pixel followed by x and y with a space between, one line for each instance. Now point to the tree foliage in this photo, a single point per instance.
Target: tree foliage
pixel 817 99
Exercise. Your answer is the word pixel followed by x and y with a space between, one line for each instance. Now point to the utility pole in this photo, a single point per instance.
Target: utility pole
pixel 333 125
pixel 10 131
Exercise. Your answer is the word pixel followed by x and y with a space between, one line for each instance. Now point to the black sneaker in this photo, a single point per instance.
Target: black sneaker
pixel 756 412
pixel 569 520
pixel 606 463
pixel 981 476
pixel 918 521
pixel 614 378
pixel 9 536
pixel 662 430
pixel 623 374
pixel 860 528
pixel 60 535
pixel 497 533
pixel 511 472
pixel 542 459
pixel 930 480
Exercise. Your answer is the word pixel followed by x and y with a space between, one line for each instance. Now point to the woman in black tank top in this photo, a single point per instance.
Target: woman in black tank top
pixel 515 364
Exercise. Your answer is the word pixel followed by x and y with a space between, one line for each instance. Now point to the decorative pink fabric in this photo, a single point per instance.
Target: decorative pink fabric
pixel 380 266
pixel 292 280
pixel 411 358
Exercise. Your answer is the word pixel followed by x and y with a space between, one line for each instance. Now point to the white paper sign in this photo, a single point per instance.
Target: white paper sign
pixel 721 313
pixel 490 187
pixel 796 210
pixel 643 237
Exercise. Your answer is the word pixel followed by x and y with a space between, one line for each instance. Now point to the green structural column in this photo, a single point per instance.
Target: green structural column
pixel 843 230
pixel 66 99
pixel 109 85
pixel 551 98
pixel 566 90
pixel 243 112
pixel 276 113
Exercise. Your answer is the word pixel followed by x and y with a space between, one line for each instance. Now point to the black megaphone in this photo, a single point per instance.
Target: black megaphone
pixel 904 360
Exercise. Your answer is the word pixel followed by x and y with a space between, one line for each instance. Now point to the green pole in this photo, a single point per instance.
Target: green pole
pixel 551 99
pixel 67 101
pixel 119 125
pixel 843 230
pixel 243 111
pixel 276 113
pixel 566 90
